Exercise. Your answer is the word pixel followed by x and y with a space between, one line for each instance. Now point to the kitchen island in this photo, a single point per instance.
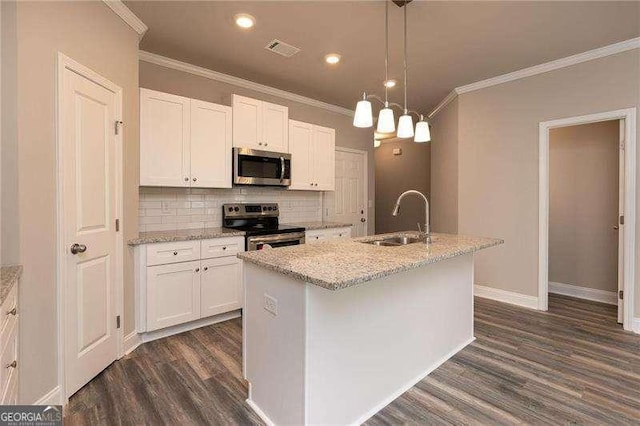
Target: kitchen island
pixel 335 331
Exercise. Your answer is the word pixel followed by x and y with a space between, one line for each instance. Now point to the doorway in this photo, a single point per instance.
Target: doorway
pixel 348 203
pixel 587 173
pixel 89 241
pixel 584 210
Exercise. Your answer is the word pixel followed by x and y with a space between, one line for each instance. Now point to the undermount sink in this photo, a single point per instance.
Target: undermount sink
pixel 401 240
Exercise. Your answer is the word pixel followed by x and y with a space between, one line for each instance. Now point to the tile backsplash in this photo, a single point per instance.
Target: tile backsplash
pixel 188 208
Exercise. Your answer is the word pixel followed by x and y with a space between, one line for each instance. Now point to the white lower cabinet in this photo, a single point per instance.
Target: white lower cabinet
pixel 173 294
pixel 9 348
pixel 178 292
pixel 319 235
pixel 219 289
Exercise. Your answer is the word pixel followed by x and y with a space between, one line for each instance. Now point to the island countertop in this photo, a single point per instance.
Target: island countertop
pixel 338 264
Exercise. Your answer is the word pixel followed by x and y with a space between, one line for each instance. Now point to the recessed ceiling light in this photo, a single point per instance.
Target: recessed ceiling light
pixel 390 83
pixel 244 20
pixel 332 58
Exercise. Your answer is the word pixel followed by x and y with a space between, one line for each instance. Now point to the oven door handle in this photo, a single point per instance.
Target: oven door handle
pixel 276 238
pixel 282 165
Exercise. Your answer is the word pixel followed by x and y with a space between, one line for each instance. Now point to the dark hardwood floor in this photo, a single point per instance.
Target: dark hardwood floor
pixel 573 364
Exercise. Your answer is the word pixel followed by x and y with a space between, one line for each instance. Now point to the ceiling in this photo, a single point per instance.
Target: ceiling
pixel 450 43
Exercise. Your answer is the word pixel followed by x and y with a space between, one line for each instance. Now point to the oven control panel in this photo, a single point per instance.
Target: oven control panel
pixel 250 210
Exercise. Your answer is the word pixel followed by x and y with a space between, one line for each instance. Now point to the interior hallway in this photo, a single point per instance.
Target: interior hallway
pixel 573 364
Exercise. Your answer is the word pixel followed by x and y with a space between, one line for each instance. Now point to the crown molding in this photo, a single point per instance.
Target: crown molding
pixel 240 82
pixel 443 103
pixel 127 16
pixel 589 55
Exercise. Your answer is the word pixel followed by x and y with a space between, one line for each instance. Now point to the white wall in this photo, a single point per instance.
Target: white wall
pixel 498 157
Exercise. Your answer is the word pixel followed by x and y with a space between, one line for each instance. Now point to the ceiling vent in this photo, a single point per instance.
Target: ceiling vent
pixel 282 48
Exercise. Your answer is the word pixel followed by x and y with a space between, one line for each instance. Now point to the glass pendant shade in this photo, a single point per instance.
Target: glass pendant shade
pixel 423 134
pixel 376 143
pixel 386 121
pixel 363 116
pixel 405 126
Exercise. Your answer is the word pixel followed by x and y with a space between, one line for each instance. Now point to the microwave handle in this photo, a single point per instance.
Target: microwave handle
pixel 282 166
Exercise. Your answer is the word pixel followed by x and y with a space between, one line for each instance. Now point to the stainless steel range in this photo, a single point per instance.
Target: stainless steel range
pixel 261 224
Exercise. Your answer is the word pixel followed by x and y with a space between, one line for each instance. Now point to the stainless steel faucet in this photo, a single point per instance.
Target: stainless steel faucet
pixel 396 210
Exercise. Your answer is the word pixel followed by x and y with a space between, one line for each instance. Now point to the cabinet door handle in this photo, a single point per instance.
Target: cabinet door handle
pixel 197 269
pixel 260 143
pixel 224 248
pixel 186 179
pixel 175 253
pixel 195 179
pixel 266 143
pixel 12 312
pixel 206 268
pixel 14 364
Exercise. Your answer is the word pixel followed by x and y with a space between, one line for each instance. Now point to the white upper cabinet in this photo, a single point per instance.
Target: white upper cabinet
pixel 275 127
pixel 324 158
pixel 210 145
pixel 260 125
pixel 312 156
pixel 184 142
pixel 164 139
pixel 300 141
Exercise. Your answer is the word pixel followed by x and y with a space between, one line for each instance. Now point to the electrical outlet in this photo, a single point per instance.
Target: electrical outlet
pixel 166 207
pixel 271 304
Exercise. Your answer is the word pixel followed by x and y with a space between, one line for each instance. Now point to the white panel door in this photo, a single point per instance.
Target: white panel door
pixel 173 294
pixel 275 127
pixel 221 286
pixel 349 198
pixel 164 139
pixel 88 165
pixel 300 141
pixel 247 123
pixel 620 226
pixel 210 145
pixel 323 158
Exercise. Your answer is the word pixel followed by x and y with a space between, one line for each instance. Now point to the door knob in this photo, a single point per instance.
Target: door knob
pixel 363 220
pixel 616 227
pixel 78 248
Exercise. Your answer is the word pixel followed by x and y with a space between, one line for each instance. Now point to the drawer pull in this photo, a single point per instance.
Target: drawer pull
pixel 12 312
pixel 14 364
pixel 224 248
pixel 175 253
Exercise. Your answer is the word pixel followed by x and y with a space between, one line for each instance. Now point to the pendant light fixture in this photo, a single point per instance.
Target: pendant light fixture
pixel 405 123
pixel 386 120
pixel 386 126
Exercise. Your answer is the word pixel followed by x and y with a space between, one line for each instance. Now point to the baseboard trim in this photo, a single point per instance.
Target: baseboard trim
pixel 635 326
pixel 131 342
pixel 411 383
pixel 603 296
pixel 181 328
pixel 511 297
pixel 53 397
pixel 259 412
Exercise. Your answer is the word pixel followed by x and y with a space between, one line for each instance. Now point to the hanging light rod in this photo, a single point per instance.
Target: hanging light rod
pixel 386 126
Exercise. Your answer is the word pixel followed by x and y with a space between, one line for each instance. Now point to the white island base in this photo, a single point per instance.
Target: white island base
pixel 338 357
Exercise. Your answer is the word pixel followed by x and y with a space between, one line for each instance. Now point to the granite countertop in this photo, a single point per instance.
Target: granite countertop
pixel 9 276
pixel 313 226
pixel 184 235
pixel 338 264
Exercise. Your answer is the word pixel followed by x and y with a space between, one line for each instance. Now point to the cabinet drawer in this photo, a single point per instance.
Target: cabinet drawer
pixel 7 313
pixel 8 356
pixel 220 247
pixel 340 233
pixel 315 236
pixel 179 251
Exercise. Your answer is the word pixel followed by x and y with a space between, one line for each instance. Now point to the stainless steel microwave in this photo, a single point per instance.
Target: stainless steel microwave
pixel 253 167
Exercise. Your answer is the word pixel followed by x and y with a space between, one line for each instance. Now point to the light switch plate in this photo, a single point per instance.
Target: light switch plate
pixel 271 304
